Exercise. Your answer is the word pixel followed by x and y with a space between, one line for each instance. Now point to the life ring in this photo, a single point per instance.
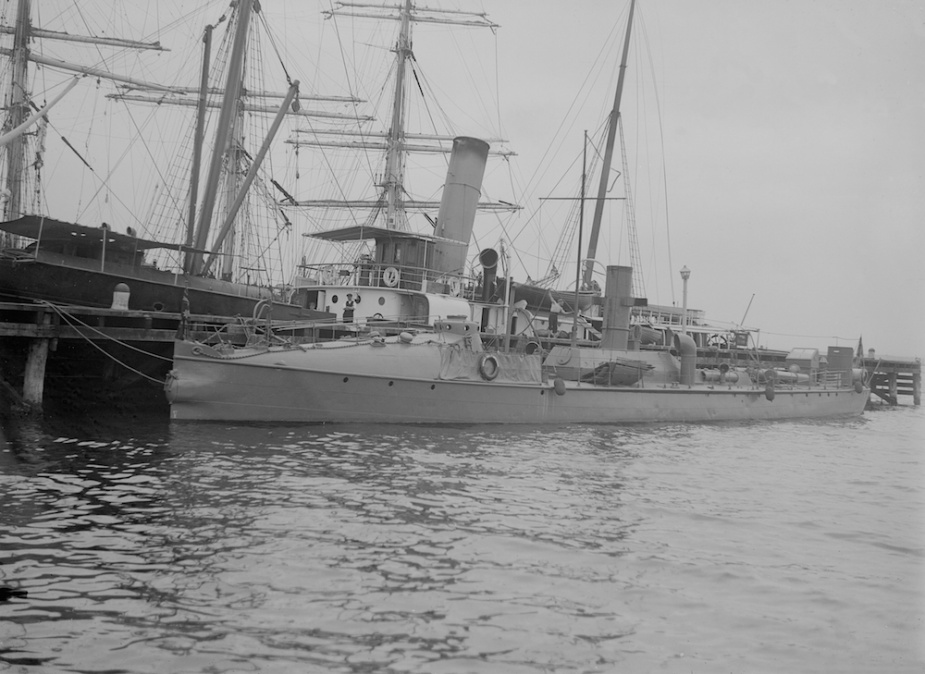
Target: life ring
pixel 489 366
pixel 390 276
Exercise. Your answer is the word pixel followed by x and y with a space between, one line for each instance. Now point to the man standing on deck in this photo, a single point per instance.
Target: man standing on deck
pixel 554 310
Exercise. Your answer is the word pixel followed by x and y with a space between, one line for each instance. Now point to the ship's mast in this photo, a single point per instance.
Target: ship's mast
pixel 608 156
pixel 234 172
pixel 223 135
pixel 17 104
pixel 198 141
pixel 397 143
pixel 395 156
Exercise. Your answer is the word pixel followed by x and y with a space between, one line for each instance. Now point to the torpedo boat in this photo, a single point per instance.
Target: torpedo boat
pixel 447 375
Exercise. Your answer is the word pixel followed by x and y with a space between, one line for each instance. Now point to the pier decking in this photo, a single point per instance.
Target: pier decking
pixel 894 377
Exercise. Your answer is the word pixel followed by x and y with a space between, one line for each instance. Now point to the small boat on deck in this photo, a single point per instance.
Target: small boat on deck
pixel 448 375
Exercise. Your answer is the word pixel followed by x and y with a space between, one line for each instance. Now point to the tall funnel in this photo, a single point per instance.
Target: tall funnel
pixel 457 207
pixel 618 301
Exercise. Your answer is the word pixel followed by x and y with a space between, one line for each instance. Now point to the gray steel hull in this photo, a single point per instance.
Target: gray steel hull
pixel 362 385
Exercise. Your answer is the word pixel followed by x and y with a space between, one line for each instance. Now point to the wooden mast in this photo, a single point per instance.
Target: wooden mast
pixel 222 236
pixel 608 156
pixel 17 106
pixel 197 143
pixel 17 101
pixel 226 119
pixel 395 155
pixel 395 142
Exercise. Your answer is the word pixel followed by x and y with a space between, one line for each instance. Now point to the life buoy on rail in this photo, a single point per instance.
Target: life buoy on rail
pixel 489 366
pixel 390 276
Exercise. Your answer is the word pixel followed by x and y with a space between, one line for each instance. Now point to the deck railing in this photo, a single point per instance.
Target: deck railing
pixel 379 275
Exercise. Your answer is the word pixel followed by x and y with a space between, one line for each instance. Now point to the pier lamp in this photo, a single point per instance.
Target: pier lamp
pixel 685 274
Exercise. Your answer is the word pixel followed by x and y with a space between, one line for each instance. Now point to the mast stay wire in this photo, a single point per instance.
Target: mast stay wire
pixel 661 131
pixel 560 139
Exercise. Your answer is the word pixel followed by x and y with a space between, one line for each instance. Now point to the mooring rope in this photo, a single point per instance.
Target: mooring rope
pixel 71 320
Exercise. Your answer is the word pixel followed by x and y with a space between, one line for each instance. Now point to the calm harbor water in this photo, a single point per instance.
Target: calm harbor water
pixel 772 547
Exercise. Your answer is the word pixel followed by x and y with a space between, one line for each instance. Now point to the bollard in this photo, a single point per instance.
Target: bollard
pixel 120 297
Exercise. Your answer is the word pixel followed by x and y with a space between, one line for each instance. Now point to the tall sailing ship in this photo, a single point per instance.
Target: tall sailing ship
pixel 200 243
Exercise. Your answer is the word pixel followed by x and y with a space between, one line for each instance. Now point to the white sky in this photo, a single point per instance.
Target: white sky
pixel 790 134
pixel 794 149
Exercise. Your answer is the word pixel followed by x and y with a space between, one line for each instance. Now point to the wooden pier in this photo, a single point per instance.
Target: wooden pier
pixel 894 377
pixel 72 353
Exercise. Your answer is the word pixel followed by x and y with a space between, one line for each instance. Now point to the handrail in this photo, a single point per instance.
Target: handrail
pixel 384 275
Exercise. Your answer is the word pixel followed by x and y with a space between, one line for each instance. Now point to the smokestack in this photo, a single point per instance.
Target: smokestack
pixel 457 207
pixel 618 301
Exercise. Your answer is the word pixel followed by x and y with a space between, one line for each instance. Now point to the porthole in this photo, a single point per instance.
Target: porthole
pixel 333 299
pixel 346 379
pixel 158 306
pixel 381 301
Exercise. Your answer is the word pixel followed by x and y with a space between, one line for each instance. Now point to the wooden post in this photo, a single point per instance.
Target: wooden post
pixel 917 386
pixel 894 392
pixel 34 384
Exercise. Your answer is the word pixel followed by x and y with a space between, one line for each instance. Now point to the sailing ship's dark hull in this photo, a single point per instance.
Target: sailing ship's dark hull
pixel 64 280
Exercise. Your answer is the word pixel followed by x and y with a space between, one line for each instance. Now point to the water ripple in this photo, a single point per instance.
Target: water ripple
pixel 758 547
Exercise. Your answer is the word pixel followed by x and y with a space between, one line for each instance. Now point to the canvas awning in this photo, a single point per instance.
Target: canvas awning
pixel 50 230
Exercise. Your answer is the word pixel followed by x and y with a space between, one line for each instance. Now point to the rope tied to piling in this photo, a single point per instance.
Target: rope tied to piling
pixel 74 322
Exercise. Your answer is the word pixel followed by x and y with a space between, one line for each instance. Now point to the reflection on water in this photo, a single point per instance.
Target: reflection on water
pixel 418 549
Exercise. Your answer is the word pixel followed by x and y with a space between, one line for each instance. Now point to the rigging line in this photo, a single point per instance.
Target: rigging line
pixel 560 254
pixel 536 212
pixel 350 85
pixel 126 153
pixel 574 104
pixel 31 102
pixel 266 27
pixel 433 123
pixel 661 131
pixel 498 87
pixel 785 334
pixel 264 252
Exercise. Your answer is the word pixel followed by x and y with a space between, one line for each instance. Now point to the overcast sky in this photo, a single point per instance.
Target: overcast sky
pixel 794 149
